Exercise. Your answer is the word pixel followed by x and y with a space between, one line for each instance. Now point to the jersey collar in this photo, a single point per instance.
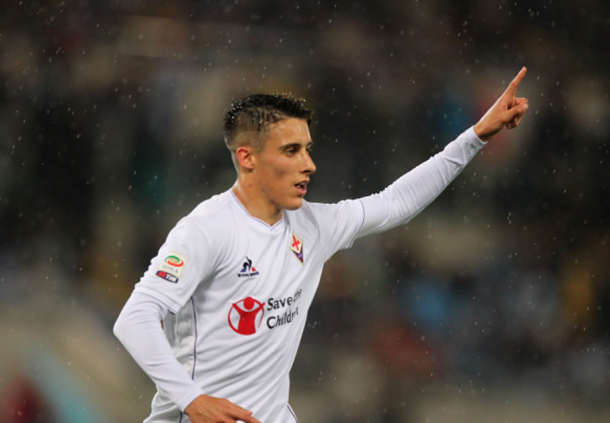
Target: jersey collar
pixel 256 219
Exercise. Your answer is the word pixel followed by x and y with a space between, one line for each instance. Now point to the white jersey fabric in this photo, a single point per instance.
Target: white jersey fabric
pixel 233 292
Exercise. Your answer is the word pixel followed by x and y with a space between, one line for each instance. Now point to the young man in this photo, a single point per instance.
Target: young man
pixel 235 278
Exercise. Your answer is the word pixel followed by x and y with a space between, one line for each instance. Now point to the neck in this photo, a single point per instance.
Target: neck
pixel 255 205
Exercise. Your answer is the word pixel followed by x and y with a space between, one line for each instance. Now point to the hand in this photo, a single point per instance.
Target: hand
pixel 507 111
pixel 206 409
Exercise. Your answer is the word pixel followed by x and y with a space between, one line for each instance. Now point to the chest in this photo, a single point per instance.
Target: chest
pixel 268 263
pixel 265 280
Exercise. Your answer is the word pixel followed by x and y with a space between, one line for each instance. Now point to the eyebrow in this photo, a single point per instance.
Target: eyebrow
pixel 296 144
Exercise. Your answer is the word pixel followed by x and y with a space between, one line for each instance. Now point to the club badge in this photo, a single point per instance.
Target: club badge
pixel 296 246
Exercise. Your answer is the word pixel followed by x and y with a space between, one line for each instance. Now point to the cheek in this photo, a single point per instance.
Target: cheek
pixel 276 176
pixel 281 169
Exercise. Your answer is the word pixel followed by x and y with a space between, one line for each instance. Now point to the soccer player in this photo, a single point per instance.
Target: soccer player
pixel 234 280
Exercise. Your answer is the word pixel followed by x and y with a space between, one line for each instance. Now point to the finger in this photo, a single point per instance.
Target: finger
pixel 519 101
pixel 516 119
pixel 247 417
pixel 513 116
pixel 243 415
pixel 512 87
pixel 236 412
pixel 524 104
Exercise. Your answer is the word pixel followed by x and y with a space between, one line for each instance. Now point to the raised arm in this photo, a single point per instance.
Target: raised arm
pixel 412 192
pixel 507 111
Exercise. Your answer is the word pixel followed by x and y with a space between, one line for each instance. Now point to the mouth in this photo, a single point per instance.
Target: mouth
pixel 302 187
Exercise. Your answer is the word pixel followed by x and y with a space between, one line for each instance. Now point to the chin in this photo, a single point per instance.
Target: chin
pixel 294 205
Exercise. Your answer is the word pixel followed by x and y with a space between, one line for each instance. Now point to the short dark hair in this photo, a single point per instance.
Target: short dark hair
pixel 255 113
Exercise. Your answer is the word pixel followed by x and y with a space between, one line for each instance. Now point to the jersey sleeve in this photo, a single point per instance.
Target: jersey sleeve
pixel 342 223
pixel 412 192
pixel 183 262
pixel 140 332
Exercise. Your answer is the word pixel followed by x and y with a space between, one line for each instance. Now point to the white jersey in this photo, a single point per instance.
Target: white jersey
pixel 238 290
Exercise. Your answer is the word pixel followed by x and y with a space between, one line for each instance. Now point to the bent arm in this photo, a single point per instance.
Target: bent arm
pixel 139 330
pixel 412 192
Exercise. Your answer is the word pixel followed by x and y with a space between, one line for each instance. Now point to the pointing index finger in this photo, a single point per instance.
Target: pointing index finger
pixel 512 88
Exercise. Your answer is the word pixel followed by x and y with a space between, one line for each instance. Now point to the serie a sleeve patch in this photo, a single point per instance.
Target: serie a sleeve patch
pixel 171 267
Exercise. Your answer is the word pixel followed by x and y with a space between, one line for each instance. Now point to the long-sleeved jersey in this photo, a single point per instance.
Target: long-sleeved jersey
pixel 233 292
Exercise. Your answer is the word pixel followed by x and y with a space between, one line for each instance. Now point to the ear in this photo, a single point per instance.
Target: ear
pixel 246 157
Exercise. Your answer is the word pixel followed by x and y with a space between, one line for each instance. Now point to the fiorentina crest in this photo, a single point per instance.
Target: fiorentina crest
pixel 296 246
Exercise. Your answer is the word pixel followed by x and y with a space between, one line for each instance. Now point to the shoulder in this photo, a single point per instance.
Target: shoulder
pixel 209 218
pixel 335 224
pixel 326 210
pixel 332 216
pixel 323 214
pixel 307 211
pixel 211 207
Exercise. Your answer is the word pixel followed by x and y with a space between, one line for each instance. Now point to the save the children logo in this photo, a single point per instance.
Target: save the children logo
pixel 171 267
pixel 247 269
pixel 246 316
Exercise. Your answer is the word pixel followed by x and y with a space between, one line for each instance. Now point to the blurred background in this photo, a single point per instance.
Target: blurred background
pixel 493 305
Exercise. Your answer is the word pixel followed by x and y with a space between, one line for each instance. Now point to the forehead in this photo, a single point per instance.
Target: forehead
pixel 288 131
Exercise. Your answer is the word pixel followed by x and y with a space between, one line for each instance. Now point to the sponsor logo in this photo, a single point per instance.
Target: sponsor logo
pixel 275 304
pixel 279 304
pixel 171 268
pixel 296 246
pixel 246 316
pixel 284 319
pixel 167 276
pixel 247 269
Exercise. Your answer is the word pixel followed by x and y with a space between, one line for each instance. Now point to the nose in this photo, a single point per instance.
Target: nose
pixel 310 166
